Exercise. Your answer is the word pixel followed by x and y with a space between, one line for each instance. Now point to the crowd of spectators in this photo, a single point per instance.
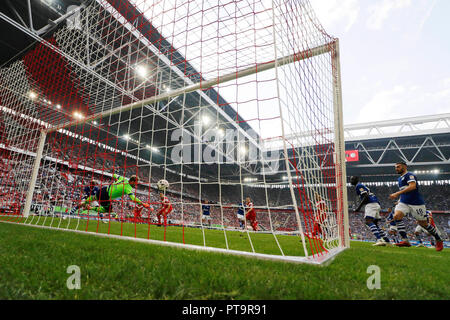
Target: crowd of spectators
pixel 61 184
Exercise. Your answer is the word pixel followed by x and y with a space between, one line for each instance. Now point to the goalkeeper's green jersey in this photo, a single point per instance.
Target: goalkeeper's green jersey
pixel 120 187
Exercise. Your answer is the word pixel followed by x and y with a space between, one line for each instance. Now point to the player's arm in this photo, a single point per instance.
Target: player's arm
pixel 411 186
pixel 89 200
pixel 136 200
pixel 364 200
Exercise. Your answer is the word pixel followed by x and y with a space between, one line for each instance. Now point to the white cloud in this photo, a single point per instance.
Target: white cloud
pixel 383 105
pixel 381 11
pixel 336 14
pixel 406 101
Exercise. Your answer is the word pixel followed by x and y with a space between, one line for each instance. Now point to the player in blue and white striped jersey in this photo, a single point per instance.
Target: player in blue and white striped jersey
pixel 412 202
pixel 371 210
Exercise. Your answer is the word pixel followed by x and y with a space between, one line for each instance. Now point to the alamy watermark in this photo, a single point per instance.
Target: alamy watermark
pixel 374 281
pixel 74 281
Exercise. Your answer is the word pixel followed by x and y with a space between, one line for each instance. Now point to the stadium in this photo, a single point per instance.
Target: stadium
pixel 176 149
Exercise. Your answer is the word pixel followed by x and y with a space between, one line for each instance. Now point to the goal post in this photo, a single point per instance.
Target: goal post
pixel 237 105
pixel 34 174
pixel 341 182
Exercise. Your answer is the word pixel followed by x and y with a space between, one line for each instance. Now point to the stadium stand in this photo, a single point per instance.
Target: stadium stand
pixel 186 200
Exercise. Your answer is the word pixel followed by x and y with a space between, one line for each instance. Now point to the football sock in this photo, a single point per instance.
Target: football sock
pixel 74 209
pixel 401 229
pixel 374 230
pixel 382 234
pixel 432 230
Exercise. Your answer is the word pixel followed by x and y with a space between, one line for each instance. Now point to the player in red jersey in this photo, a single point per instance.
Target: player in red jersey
pixel 137 212
pixel 166 208
pixel 250 215
pixel 320 216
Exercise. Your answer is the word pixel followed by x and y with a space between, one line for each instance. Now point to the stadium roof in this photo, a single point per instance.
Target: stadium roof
pixel 28 25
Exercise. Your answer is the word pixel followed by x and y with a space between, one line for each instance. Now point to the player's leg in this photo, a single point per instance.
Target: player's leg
pixel 371 215
pixel 255 224
pixel 101 209
pixel 432 231
pixel 165 213
pixel 251 218
pixel 370 223
pixel 104 203
pixel 78 206
pixel 137 212
pixel 419 213
pixel 393 232
pixel 418 234
pixel 376 214
pixel 401 210
pixel 381 232
pixel 241 222
pixel 158 215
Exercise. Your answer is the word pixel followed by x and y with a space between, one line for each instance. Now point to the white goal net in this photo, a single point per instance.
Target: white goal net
pixel 235 104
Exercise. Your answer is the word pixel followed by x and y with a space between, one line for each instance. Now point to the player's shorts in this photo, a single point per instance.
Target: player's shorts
pixel 372 210
pixel 206 216
pixel 251 216
pixel 241 217
pixel 166 211
pixel 418 212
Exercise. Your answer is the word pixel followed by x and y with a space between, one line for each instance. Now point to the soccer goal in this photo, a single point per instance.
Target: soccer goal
pixel 207 125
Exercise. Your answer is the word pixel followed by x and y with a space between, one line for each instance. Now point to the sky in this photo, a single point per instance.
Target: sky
pixel 395 56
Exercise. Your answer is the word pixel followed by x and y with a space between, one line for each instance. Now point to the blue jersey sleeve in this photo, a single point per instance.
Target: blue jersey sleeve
pixel 362 190
pixel 412 197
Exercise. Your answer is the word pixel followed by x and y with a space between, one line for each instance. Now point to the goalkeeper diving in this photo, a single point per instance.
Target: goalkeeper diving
pixel 120 187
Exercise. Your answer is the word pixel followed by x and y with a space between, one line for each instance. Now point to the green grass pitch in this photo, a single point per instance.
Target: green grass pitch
pixel 34 262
